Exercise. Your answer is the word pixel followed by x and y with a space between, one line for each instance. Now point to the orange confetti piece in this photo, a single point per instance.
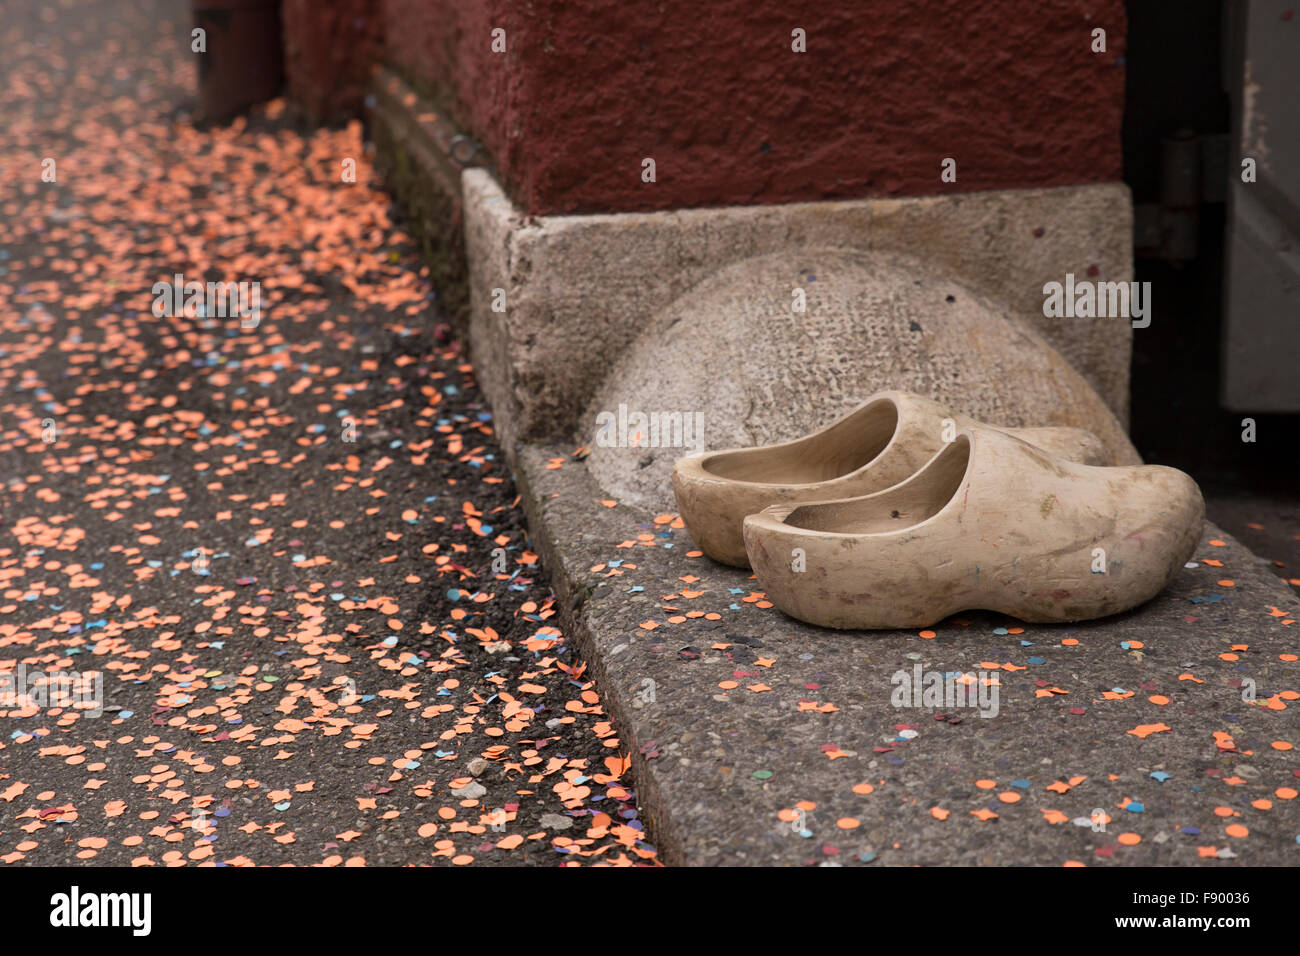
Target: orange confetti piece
pixel 1146 730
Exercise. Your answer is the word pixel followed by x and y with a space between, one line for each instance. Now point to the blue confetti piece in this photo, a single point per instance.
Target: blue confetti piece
pixel 1159 775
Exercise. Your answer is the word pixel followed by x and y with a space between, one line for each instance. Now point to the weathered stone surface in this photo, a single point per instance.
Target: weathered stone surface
pixel 1007 244
pixel 733 350
pixel 715 767
pixel 580 290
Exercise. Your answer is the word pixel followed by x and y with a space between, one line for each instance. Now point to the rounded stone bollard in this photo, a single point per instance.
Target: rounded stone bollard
pixel 773 347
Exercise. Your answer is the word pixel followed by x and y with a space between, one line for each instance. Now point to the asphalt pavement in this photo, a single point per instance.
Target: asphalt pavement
pixel 266 592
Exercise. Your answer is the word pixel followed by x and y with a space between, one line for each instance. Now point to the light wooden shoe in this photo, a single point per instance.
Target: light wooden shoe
pixel 990 523
pixel 880 443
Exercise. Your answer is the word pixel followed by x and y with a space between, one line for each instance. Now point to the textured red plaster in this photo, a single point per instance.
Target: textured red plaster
pixel 446 44
pixel 329 49
pixel 712 91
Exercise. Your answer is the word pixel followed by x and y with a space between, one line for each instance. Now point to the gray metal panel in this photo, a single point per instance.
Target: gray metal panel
pixel 1261 341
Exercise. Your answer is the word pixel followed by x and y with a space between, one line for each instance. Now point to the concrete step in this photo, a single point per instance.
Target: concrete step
pixel 758 740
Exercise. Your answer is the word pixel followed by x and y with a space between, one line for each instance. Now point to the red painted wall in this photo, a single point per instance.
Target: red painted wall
pixel 330 47
pixel 712 91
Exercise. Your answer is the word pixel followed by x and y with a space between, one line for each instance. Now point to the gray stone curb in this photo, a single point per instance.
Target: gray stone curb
pixel 714 768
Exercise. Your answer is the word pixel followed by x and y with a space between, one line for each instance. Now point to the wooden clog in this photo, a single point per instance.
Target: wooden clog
pixel 990 522
pixel 880 443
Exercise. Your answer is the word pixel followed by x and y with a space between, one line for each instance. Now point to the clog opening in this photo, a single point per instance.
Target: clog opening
pixel 842 448
pixel 918 499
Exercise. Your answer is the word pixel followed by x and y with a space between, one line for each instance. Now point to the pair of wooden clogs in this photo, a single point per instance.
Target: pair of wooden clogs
pixel 902 513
